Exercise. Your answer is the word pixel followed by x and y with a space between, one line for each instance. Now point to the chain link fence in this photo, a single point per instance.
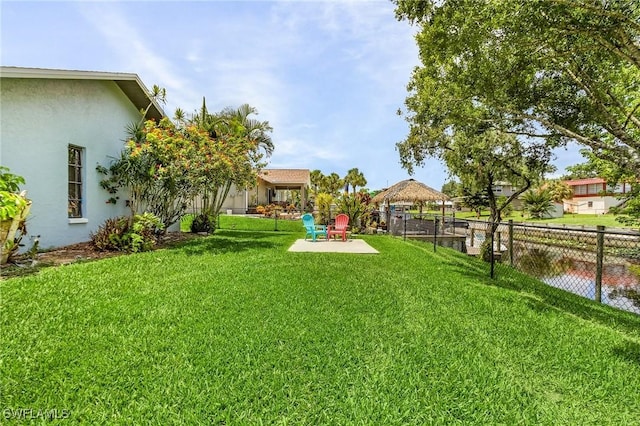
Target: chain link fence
pixel 600 264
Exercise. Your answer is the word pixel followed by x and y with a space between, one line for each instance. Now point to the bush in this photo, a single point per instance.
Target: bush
pixel 108 235
pixel 203 223
pixel 124 234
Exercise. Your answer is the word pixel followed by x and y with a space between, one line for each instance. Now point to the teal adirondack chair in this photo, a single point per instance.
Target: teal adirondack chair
pixel 313 230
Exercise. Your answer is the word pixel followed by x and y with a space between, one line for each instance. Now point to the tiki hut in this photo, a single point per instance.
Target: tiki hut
pixel 409 190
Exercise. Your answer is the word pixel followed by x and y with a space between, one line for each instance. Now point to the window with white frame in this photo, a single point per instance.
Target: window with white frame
pixel 75 207
pixel 580 189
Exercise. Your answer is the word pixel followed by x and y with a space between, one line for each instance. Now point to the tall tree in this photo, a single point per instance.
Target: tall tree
pixel 316 178
pixel 332 184
pixel 354 178
pixel 558 190
pixel 481 161
pixel 451 188
pixel 556 69
pixel 247 141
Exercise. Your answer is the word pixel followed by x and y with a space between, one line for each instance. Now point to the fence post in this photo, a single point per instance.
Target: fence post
pixel 511 242
pixel 492 252
pixel 435 233
pixel 473 234
pixel 599 261
pixel 404 226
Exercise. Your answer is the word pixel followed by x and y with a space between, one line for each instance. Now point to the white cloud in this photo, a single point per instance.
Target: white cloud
pixel 134 49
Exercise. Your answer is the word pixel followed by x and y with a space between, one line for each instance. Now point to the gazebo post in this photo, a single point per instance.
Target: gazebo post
pixel 388 212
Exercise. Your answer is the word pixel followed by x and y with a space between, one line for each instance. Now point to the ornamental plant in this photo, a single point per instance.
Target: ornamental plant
pixel 11 201
pixel 14 207
pixel 121 234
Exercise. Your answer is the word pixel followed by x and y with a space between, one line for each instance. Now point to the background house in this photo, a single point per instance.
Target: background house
pixel 272 186
pixel 593 196
pixel 56 126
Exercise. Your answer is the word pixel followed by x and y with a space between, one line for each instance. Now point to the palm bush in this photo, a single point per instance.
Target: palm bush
pixel 537 203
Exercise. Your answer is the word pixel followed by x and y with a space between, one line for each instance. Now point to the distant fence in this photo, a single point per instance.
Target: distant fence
pixel 598 263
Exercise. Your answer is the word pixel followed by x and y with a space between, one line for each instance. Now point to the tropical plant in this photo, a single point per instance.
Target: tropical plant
pixel 203 223
pixel 354 178
pixel 323 205
pixel 332 184
pixel 11 201
pixel 14 208
pixel 356 206
pixel 122 234
pixel 156 169
pixel 537 203
pixel 239 144
pixel 558 190
pixel 316 178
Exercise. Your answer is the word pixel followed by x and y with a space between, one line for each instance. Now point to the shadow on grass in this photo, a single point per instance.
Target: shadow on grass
pixel 544 298
pixel 227 242
pixel 629 352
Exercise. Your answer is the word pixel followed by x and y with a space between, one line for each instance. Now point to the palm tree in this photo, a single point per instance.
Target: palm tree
pixel 239 123
pixel 354 178
pixel 232 124
pixel 316 178
pixel 332 183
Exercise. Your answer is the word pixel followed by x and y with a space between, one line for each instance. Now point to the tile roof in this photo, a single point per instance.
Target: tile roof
pixel 282 176
pixel 584 181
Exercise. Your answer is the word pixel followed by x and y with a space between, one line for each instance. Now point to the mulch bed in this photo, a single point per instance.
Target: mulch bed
pixel 84 251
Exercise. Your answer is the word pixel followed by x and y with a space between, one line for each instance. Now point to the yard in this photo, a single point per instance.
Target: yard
pixel 588 220
pixel 233 329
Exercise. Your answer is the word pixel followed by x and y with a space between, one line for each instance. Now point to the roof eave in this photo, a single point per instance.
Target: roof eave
pixel 129 83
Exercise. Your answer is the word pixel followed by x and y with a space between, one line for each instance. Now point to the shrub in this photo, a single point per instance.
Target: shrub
pixel 14 208
pixel 11 202
pixel 109 234
pixel 203 223
pixel 145 231
pixel 537 203
pixel 130 235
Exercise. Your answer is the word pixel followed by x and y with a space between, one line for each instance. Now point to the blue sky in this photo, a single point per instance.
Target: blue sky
pixel 328 75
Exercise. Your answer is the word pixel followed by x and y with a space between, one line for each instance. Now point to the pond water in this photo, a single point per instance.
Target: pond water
pixel 575 271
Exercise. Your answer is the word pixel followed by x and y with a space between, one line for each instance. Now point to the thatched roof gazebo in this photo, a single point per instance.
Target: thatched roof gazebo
pixel 409 190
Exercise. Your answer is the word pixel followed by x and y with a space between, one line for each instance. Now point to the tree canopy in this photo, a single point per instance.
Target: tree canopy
pixel 555 70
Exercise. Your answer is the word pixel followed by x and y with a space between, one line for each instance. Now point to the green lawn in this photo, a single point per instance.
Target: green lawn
pixel 233 329
pixel 608 220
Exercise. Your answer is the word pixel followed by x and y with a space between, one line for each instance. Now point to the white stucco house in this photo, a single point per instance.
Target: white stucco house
pixel 272 186
pixel 594 195
pixel 56 126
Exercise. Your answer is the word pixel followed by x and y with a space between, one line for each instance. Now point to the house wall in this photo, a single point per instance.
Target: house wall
pixel 590 205
pixel 236 201
pixel 39 119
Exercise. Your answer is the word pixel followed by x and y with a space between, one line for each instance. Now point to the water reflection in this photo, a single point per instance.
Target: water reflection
pixel 571 270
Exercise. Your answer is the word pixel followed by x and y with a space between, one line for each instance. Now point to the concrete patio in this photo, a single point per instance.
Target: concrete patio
pixel 333 246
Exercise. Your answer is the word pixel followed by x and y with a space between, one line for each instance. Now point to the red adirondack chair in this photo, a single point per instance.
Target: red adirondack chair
pixel 340 227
